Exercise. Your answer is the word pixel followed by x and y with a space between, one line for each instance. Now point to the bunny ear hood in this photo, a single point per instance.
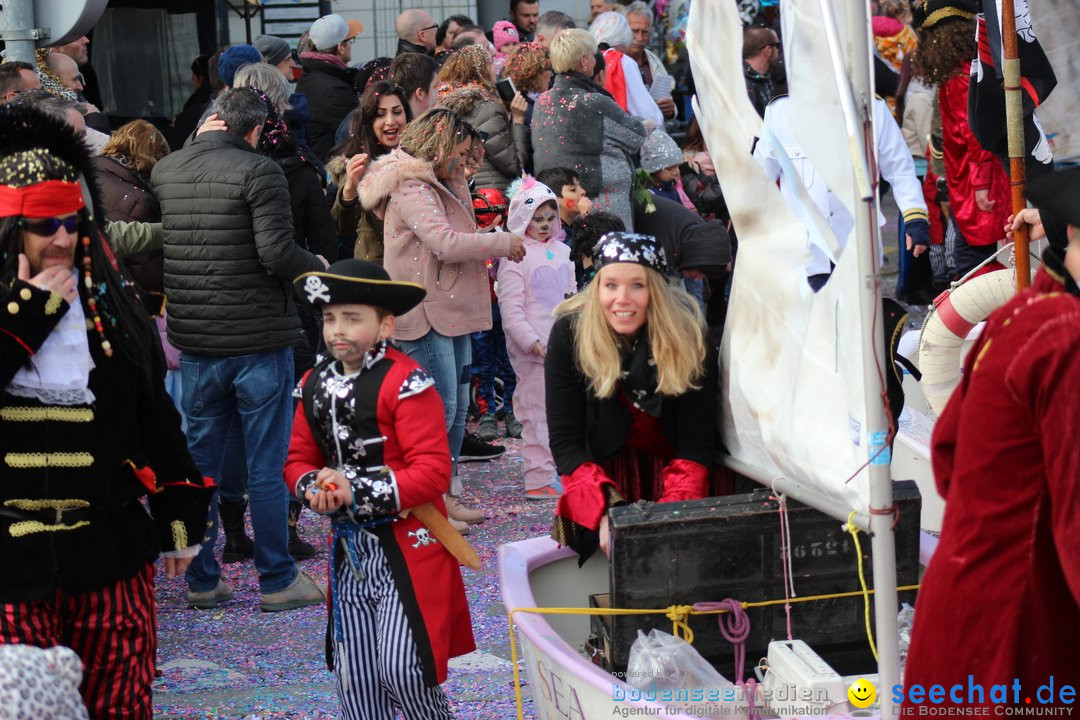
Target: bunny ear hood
pixel 526 195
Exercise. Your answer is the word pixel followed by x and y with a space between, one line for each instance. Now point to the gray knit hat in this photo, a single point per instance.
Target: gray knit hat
pixel 273 49
pixel 659 151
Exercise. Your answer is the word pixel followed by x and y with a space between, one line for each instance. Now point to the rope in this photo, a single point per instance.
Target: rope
pixel 851 528
pixel 735 627
pixel 785 556
pixel 679 615
pixel 677 609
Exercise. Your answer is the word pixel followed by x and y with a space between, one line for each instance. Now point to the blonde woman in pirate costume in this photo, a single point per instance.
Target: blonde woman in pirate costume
pixel 630 380
pixel 86 429
pixel 369 448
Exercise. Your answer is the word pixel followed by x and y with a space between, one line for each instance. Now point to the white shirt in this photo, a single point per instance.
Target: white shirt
pixel 894 162
pixel 638 100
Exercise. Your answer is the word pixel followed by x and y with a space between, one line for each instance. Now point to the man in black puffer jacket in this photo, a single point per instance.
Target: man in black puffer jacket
pixel 230 259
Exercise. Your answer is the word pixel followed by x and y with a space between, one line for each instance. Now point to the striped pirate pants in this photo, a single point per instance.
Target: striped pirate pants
pixel 114 632
pixel 376 665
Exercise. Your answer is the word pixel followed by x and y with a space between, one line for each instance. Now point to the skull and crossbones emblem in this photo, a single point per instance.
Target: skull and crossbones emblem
pixel 423 537
pixel 316 289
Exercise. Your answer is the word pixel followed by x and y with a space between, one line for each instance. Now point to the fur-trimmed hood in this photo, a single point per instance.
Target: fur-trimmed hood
pixel 465 100
pixel 389 171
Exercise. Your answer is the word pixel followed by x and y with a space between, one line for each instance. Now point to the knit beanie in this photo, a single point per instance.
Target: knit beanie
pixel 504 32
pixel 273 49
pixel 233 58
pixel 659 151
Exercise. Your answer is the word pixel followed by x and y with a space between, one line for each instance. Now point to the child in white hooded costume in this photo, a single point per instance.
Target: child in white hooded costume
pixel 528 293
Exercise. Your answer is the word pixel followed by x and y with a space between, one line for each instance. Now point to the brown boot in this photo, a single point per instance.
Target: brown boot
pixel 457 511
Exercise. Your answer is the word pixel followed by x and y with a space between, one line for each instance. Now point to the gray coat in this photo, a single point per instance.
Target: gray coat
pixel 230 257
pixel 506 149
pixel 577 125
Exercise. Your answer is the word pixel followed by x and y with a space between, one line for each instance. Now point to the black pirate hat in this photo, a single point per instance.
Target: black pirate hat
pixel 926 14
pixel 358 282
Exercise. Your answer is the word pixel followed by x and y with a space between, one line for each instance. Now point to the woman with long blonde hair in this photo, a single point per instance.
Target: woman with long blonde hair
pixel 631 392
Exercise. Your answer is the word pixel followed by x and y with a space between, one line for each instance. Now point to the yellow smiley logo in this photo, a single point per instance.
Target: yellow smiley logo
pixel 862 694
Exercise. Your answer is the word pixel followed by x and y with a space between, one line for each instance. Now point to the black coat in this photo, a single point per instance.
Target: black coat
pixel 230 257
pixel 330 94
pixel 313 228
pixel 78 456
pixel 584 428
pixel 184 124
pixel 689 242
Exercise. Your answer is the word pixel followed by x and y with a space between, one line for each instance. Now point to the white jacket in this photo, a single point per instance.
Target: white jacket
pixel 894 163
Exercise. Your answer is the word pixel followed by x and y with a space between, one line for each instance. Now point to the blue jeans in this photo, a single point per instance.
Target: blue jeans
pixel 233 481
pixel 490 360
pixel 257 389
pixel 446 360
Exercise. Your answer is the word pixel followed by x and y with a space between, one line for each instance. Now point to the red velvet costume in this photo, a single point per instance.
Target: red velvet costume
pixel 999 601
pixel 969 168
pixel 408 415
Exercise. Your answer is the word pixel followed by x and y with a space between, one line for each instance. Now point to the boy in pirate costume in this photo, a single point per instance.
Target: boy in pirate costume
pixel 86 429
pixel 369 449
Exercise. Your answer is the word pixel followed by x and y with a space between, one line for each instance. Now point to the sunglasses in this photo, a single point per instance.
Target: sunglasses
pixel 49 226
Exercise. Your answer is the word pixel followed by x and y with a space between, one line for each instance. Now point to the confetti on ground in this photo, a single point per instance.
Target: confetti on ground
pixel 237 663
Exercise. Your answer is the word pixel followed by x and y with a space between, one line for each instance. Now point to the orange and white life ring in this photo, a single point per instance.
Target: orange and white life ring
pixel 947 326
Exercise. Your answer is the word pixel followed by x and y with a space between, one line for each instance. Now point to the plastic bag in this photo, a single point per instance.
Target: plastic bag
pixel 671 668
pixel 904 619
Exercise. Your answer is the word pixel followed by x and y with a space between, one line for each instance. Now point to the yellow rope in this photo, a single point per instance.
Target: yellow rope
pixel 862 581
pixel 678 614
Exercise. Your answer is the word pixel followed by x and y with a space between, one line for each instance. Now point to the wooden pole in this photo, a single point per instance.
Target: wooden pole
pixel 1014 118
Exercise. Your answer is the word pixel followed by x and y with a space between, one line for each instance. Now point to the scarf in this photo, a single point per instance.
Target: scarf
pixel 638 376
pixel 329 58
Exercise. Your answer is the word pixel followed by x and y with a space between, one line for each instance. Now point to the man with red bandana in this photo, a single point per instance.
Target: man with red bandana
pixel 86 429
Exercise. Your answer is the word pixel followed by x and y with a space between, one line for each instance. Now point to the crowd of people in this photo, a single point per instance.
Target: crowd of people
pixel 326 263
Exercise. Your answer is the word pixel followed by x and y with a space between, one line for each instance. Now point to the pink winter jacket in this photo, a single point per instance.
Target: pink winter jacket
pixel 430 237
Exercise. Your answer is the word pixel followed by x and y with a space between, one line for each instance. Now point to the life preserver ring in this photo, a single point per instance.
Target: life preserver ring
pixel 951 318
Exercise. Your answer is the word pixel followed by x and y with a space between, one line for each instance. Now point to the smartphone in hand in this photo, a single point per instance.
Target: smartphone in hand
pixel 506 89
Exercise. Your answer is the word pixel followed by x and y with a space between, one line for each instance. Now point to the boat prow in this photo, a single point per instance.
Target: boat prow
pixel 538 573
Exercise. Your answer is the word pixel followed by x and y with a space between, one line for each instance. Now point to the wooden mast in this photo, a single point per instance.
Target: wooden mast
pixel 1014 119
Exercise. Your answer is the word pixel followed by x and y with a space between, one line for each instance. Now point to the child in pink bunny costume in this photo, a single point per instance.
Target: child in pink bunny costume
pixel 528 293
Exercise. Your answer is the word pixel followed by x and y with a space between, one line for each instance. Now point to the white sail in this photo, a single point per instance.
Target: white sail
pixel 792 375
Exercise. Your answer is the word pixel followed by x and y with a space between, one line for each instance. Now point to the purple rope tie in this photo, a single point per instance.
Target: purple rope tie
pixel 735 627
